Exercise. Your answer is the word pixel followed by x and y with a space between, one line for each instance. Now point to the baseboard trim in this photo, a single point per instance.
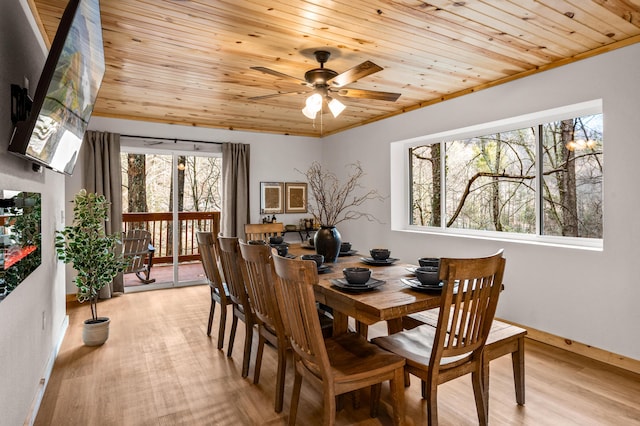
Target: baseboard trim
pixel 42 385
pixel 629 364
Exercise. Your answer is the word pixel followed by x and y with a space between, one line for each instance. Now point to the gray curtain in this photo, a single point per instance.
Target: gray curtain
pixel 102 174
pixel 235 188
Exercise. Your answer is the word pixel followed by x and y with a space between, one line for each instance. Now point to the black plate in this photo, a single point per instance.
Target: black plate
pixel 290 256
pixel 347 253
pixel 369 285
pixel 372 261
pixel 323 269
pixel 416 285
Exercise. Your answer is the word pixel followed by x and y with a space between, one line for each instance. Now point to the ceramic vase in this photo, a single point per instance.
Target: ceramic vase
pixel 327 242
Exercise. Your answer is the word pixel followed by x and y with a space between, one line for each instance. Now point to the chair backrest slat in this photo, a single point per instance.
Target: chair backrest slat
pixel 469 299
pixel 262 231
pixel 260 278
pixel 294 285
pixel 230 261
pixel 209 258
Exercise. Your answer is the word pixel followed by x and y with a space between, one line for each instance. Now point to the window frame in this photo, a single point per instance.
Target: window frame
pixel 401 184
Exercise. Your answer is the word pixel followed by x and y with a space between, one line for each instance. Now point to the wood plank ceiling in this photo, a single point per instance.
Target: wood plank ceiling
pixel 188 61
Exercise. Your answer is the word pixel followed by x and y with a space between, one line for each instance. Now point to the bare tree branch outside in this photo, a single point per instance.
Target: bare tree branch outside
pixel 148 187
pixel 491 181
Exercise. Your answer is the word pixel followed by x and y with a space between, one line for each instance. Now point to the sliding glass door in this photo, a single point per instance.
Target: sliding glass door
pixel 173 195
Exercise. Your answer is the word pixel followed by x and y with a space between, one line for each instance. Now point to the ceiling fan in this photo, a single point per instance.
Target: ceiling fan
pixel 325 82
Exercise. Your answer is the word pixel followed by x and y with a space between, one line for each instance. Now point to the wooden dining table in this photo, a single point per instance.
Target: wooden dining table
pixel 388 302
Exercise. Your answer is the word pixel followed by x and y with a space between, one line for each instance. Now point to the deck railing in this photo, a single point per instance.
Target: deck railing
pixel 160 226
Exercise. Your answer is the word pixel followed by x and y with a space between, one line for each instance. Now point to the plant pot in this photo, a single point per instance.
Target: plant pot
pixel 327 242
pixel 95 332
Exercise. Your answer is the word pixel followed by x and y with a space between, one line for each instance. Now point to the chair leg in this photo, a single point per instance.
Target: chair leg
pixel 356 398
pixel 258 365
pixel 222 326
pixel 295 397
pixel 248 339
pixel 484 382
pixel 329 415
pixel 375 400
pixel 431 396
pixel 282 369
pixel 340 401
pixel 397 396
pixel 480 392
pixel 211 312
pixel 517 360
pixel 232 335
pixel 362 329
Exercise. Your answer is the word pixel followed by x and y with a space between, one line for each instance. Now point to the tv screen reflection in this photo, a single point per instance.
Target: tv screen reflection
pixel 20 238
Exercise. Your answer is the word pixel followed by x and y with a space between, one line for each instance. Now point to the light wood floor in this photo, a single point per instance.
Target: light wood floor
pixel 159 368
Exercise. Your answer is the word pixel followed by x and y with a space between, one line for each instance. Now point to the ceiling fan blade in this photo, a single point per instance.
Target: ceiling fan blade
pixel 369 94
pixel 280 75
pixel 273 95
pixel 356 73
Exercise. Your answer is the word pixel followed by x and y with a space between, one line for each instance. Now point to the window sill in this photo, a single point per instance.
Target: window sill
pixel 590 244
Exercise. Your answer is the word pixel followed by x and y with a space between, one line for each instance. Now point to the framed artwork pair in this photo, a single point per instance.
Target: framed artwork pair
pixel 283 197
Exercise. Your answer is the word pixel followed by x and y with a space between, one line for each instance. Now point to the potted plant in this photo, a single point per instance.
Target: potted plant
pixel 334 202
pixel 94 255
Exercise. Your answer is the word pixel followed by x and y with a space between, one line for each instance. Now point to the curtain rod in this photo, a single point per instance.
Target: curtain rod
pixel 175 140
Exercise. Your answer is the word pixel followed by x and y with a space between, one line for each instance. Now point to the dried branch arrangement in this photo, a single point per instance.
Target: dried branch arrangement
pixel 333 202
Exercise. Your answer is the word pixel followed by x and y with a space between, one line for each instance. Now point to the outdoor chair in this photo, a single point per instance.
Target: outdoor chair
pixel 136 246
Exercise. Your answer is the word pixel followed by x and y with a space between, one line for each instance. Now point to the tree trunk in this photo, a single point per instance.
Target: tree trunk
pixel 495 188
pixel 435 179
pixel 181 160
pixel 567 184
pixel 137 184
pixel 181 167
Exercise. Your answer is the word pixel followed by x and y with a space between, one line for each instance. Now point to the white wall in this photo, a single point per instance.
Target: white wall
pixel 587 296
pixel 32 317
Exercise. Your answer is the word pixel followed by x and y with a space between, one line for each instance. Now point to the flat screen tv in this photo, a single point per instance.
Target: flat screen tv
pixel 52 134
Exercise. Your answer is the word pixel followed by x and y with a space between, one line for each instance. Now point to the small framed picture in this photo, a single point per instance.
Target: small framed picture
pixel 271 197
pixel 296 197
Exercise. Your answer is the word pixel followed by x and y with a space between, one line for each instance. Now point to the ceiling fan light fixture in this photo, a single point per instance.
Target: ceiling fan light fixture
pixel 312 106
pixel 314 102
pixel 336 107
pixel 308 113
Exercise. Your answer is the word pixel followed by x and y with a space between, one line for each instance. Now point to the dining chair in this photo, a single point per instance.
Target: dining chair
pixel 230 259
pixel 259 277
pixel 455 346
pixel 262 231
pixel 341 364
pixel 219 291
pixel 504 339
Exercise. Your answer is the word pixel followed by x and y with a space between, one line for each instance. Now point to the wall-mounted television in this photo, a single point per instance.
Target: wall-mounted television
pixel 52 134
